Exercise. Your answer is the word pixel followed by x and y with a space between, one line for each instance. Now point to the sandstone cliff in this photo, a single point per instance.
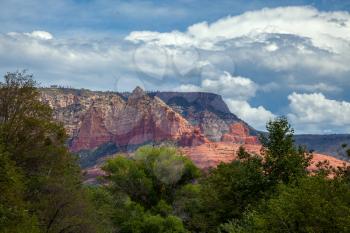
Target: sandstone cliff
pixel 96 118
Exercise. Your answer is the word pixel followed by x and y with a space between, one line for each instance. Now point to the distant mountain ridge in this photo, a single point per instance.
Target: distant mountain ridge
pixel 106 122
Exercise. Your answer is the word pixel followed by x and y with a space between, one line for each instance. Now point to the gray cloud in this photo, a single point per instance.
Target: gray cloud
pixel 255 60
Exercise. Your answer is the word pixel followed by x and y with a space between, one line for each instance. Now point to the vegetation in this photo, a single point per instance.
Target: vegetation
pixel 157 189
pixel 144 188
pixel 41 188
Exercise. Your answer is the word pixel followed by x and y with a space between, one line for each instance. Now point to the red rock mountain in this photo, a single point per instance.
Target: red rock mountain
pixel 94 119
pixel 200 123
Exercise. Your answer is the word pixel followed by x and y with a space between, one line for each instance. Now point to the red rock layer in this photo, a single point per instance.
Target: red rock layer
pixel 92 133
pixel 141 119
pixel 193 138
pixel 211 154
pixel 239 133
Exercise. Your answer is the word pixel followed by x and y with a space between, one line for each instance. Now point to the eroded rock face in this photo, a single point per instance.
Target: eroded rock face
pixel 95 118
pixel 239 134
pixel 149 119
pixel 92 132
pixel 204 110
pixel 193 138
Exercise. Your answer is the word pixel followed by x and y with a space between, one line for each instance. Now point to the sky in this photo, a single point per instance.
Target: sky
pixel 265 58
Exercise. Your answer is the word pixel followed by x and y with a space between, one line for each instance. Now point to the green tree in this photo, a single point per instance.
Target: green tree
pixel 188 206
pixel 14 215
pixel 102 208
pixel 152 174
pixel 315 204
pixel 231 188
pixel 284 162
pixel 48 179
pixel 144 187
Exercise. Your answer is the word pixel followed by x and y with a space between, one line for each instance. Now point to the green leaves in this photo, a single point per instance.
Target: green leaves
pixel 144 188
pixel 283 161
pixel 314 205
pixel 230 189
pixel 152 174
pixel 40 180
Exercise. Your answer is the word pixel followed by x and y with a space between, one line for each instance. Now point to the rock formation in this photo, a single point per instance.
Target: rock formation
pixel 200 123
pixel 94 119
pixel 211 154
pixel 239 134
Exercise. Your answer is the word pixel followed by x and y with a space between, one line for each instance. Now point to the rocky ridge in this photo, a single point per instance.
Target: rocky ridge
pixel 94 119
pixel 200 123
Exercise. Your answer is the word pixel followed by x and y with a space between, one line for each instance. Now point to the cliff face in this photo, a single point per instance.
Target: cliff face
pixel 205 110
pixel 239 134
pixel 96 118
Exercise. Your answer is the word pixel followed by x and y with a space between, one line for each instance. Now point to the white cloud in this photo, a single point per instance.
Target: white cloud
pixel 230 87
pixel 301 42
pixel 238 88
pixel 326 29
pixel 283 38
pixel 319 113
pixel 79 62
pixel 40 35
pixel 257 117
pixel 269 46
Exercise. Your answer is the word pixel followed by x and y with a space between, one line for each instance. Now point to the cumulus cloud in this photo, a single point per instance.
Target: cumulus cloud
pixel 256 56
pixel 317 112
pixel 256 116
pixel 79 62
pixel 282 50
pixel 326 29
pixel 282 39
pixel 239 88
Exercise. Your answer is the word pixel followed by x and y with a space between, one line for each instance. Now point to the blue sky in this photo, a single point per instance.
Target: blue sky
pixel 266 58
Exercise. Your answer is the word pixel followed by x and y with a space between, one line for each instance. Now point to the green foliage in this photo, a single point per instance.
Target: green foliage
pixel 153 174
pixel 102 208
pixel 283 161
pixel 40 180
pixel 129 217
pixel 231 188
pixel 144 188
pixel 188 206
pixel 316 204
pixel 14 216
pixel 128 177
